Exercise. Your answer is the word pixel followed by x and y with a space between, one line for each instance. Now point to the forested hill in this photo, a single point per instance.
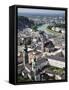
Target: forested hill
pixel 24 22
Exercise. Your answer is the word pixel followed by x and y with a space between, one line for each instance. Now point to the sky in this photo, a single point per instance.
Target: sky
pixel 39 11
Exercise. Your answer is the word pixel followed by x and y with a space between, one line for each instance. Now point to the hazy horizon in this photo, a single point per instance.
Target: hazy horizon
pixel 40 12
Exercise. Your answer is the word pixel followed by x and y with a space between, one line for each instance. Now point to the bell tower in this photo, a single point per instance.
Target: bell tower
pixel 25 52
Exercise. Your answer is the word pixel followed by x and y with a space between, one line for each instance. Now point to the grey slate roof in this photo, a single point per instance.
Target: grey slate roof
pixel 41 60
pixel 57 58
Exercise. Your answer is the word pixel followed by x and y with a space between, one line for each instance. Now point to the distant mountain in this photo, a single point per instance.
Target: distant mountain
pixel 45 14
pixel 24 22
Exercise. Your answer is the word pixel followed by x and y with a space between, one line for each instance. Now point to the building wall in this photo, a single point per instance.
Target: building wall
pixel 55 63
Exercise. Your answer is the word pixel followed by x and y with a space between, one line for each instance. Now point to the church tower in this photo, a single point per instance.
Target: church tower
pixel 34 68
pixel 25 52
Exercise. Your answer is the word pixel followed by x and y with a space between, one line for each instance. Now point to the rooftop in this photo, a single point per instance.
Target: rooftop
pixel 57 58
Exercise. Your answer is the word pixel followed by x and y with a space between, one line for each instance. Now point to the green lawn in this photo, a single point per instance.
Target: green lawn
pixel 56 69
pixel 20 78
pixel 55 33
